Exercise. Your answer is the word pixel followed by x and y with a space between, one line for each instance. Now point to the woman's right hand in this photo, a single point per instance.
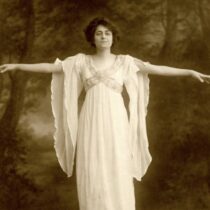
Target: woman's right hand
pixel 8 67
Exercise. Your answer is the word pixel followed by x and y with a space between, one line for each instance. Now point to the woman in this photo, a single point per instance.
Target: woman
pixel 112 148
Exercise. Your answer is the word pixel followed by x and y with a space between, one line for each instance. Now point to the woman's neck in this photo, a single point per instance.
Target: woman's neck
pixel 103 53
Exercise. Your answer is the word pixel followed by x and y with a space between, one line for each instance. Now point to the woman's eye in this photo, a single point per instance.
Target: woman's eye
pixel 108 33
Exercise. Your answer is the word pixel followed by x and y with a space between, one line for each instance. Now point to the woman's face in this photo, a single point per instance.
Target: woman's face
pixel 103 37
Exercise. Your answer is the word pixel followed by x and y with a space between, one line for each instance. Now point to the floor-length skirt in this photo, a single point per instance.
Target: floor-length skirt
pixel 103 163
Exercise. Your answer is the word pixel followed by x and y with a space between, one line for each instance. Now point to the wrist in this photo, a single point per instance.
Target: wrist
pixel 191 73
pixel 17 66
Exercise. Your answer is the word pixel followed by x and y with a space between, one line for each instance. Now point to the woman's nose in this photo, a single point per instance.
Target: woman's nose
pixel 103 35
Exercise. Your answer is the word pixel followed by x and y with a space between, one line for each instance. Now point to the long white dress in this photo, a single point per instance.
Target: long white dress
pixel 109 152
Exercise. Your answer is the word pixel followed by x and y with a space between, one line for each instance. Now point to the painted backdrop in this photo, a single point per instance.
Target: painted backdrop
pixel 163 32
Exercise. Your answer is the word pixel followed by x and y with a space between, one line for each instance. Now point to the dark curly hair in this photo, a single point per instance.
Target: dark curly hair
pixel 91 28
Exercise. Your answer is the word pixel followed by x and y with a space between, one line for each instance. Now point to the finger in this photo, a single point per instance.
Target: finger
pixel 3 68
pixel 206 78
pixel 2 71
pixel 208 81
pixel 200 79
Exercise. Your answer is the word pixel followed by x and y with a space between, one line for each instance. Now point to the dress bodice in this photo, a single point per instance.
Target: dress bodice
pixel 111 77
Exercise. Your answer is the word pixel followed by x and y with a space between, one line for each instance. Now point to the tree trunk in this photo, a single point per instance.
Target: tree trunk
pixel 10 118
pixel 12 184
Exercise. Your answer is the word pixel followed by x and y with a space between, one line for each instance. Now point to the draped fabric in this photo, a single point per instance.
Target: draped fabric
pixel 112 148
pixel 137 86
pixel 66 88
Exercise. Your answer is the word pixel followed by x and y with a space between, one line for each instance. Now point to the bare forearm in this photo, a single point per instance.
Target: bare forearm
pixel 162 70
pixel 39 67
pixel 171 71
pixel 168 71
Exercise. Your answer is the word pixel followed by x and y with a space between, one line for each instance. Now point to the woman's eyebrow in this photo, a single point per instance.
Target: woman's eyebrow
pixel 107 30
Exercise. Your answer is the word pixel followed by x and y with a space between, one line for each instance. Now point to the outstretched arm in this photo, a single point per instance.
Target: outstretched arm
pixel 39 67
pixel 171 71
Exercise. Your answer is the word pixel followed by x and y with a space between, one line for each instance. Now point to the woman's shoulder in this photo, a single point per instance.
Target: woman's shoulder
pixel 78 55
pixel 131 57
pixel 77 59
pixel 128 57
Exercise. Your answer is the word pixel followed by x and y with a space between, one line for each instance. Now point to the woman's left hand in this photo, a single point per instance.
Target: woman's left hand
pixel 201 77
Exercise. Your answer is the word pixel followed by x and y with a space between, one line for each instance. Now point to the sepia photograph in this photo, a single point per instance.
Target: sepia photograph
pixel 104 105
